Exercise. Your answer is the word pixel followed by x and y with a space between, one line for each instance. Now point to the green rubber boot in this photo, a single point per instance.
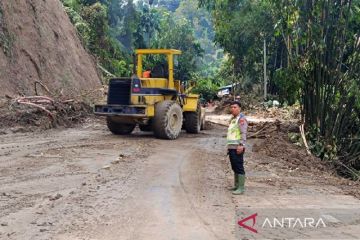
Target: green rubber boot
pixel 241 185
pixel 236 183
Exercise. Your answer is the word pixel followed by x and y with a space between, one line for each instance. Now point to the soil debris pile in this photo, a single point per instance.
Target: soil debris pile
pixel 283 113
pixel 252 106
pixel 275 141
pixel 276 144
pixel 27 113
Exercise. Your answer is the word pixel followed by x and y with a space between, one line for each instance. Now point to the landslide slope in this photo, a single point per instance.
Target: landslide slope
pixel 39 43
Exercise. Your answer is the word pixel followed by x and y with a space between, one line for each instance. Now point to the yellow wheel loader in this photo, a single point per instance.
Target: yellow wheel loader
pixel 157 103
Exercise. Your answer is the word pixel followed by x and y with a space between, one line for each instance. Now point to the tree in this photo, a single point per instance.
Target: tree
pixel 240 29
pixel 170 5
pixel 180 35
pixel 200 21
pixel 96 16
pixel 313 57
pixel 149 25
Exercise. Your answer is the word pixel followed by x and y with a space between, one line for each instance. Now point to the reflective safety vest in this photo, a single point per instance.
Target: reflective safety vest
pixel 234 133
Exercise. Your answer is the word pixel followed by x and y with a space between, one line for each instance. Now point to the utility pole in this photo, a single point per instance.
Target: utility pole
pixel 233 82
pixel 265 75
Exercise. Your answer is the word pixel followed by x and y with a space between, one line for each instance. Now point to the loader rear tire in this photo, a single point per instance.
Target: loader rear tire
pixel 193 121
pixel 119 128
pixel 168 120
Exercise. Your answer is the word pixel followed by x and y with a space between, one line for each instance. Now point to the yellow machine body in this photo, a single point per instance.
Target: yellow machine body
pixel 143 101
pixel 191 100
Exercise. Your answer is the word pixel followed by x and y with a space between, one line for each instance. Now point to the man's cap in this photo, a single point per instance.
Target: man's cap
pixel 235 103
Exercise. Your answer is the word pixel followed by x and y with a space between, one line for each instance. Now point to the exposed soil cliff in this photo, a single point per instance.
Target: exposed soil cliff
pixel 39 43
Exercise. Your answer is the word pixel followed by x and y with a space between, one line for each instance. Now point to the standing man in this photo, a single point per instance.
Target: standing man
pixel 236 139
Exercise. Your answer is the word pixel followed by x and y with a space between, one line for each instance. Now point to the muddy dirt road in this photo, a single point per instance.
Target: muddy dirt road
pixel 84 183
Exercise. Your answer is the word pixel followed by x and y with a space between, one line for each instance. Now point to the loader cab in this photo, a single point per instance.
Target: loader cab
pixel 161 71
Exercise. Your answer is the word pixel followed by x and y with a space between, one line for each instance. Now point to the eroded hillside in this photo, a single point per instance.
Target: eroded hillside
pixel 39 43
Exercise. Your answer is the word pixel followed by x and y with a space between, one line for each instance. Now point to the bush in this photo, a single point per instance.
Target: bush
pixel 206 88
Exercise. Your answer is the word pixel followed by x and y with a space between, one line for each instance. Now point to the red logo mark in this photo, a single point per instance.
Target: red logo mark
pixel 242 223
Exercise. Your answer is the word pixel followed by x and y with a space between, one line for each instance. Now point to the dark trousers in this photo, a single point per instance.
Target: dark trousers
pixel 237 161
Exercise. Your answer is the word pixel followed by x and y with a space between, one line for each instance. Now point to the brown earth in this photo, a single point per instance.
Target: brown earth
pixel 15 117
pixel 36 113
pixel 39 43
pixel 85 183
pixel 295 161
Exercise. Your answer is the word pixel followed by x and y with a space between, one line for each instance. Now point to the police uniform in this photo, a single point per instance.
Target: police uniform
pixel 236 136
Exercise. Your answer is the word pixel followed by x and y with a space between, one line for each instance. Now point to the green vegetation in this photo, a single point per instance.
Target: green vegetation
pixel 90 18
pixel 112 29
pixel 312 55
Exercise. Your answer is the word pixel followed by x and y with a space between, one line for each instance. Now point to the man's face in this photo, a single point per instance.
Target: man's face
pixel 235 110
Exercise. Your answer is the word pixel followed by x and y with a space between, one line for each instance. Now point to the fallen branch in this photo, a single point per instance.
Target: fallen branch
pixel 40 107
pixel 35 98
pixel 44 87
pixel 35 101
pixel 105 71
pixel 266 126
pixel 357 175
pixel 302 132
pixel 68 101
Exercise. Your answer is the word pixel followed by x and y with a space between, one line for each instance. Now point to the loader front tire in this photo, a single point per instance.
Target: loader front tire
pixel 193 121
pixel 119 128
pixel 168 120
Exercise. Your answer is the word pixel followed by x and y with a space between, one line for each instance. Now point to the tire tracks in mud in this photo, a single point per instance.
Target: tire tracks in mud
pixel 192 205
pixel 92 196
pixel 32 176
